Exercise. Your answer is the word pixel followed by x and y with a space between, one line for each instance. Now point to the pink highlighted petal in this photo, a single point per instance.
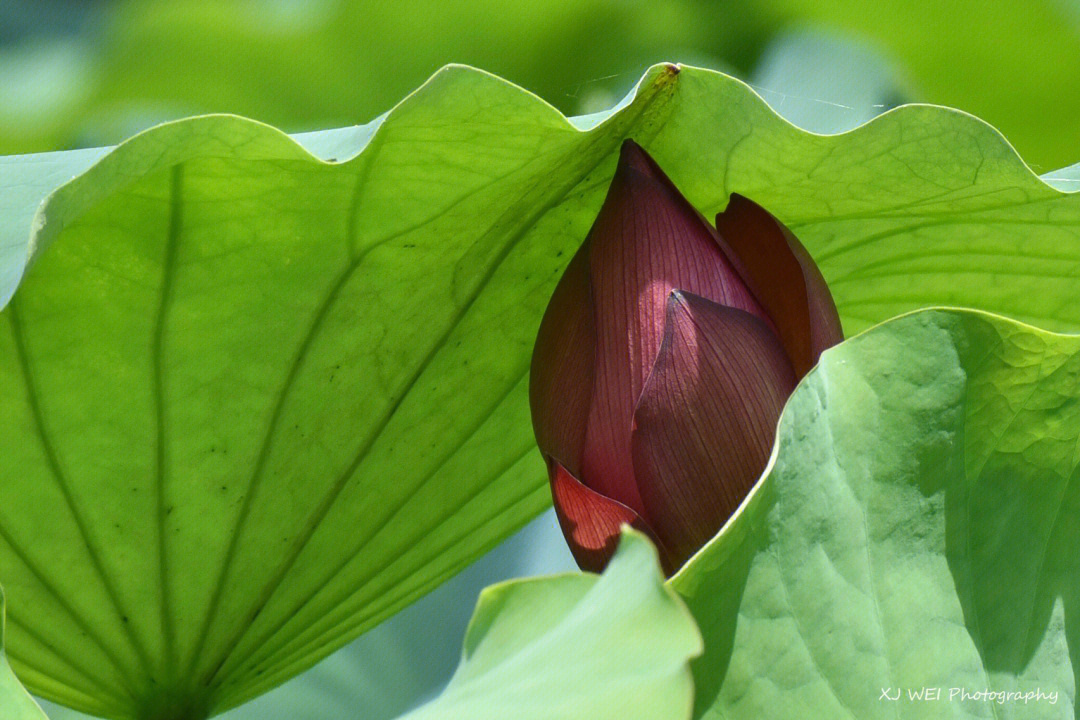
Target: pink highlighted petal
pixel 647 240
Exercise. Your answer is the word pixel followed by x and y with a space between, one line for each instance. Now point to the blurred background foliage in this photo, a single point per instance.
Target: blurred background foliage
pixel 78 73
pixel 85 72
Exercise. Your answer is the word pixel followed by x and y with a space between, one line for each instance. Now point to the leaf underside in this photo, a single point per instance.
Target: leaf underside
pixel 260 401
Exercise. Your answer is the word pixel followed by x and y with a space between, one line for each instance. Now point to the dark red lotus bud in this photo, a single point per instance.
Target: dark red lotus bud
pixel 664 360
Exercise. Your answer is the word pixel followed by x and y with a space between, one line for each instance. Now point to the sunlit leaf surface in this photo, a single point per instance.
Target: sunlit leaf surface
pixel 613 647
pixel 917 529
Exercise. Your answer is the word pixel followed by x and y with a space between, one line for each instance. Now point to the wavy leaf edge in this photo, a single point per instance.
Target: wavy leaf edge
pixel 52 214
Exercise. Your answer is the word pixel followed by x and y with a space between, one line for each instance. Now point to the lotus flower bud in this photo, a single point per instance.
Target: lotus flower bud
pixel 663 362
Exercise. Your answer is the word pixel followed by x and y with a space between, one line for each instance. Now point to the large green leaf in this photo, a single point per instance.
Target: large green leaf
pixel 613 647
pixel 16 703
pixel 918 528
pixel 277 402
pixel 262 401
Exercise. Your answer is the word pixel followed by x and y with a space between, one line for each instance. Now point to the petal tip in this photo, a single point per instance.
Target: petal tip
pixel 784 277
pixel 591 522
pixel 633 157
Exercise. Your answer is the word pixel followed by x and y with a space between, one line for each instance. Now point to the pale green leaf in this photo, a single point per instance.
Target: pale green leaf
pixel 613 647
pixel 917 528
pixel 26 180
pixel 16 703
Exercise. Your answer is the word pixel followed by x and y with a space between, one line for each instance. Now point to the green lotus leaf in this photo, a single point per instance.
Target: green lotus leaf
pixel 264 392
pixel 917 529
pixel 610 647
